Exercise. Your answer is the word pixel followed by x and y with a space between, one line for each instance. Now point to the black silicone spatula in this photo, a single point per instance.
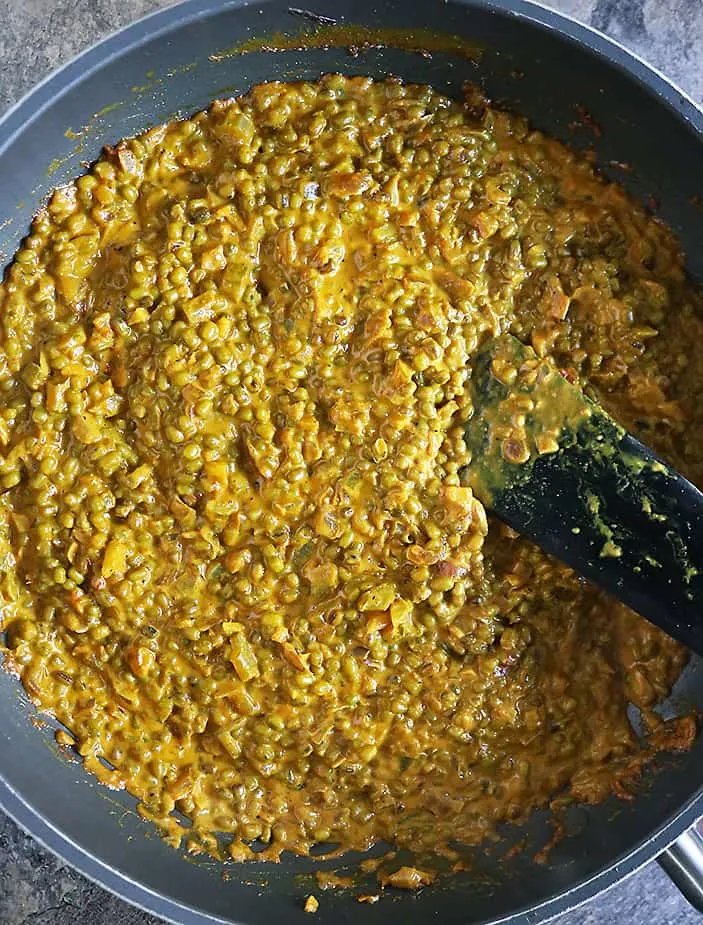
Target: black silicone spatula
pixel 558 469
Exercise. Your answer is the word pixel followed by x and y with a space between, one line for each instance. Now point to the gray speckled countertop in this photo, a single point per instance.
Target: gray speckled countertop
pixel 38 35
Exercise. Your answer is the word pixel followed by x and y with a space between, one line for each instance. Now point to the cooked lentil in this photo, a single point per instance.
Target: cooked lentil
pixel 239 562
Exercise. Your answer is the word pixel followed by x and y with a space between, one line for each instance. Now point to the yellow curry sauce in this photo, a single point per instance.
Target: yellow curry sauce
pixel 239 562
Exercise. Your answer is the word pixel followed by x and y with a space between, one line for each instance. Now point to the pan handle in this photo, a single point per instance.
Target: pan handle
pixel 683 862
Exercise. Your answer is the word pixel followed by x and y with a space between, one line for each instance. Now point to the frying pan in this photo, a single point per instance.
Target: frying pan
pixel 574 84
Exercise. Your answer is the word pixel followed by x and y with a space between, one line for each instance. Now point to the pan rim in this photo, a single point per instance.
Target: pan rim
pixel 161 22
pixel 124 887
pixel 30 106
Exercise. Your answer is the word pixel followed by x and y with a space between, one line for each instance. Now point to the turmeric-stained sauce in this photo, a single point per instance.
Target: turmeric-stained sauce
pixel 238 560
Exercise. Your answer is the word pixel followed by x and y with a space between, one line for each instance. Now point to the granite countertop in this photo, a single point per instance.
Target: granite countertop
pixel 39 35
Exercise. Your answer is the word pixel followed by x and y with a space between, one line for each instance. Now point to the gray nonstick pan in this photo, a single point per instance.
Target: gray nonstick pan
pixel 528 59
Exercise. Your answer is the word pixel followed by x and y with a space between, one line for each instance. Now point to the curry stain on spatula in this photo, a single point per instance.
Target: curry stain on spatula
pixel 558 469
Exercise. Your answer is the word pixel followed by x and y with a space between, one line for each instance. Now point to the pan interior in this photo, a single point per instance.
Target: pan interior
pixel 173 65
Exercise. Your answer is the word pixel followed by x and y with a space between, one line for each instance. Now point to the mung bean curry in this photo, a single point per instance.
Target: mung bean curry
pixel 240 560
